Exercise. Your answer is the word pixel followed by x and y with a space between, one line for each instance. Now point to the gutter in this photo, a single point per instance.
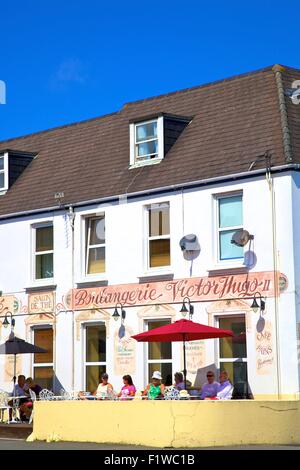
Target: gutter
pixel 163 189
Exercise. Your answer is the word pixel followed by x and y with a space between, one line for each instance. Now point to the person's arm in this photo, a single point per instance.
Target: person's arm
pixel 146 390
pixel 226 393
pixel 132 391
pixel 162 389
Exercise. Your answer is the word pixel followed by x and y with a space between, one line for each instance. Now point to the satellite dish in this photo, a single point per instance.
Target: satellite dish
pixel 241 237
pixel 190 246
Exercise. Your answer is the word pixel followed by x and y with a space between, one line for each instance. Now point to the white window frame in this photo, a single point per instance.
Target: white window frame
pixel 146 346
pixel 35 253
pixel 87 246
pixel 4 171
pixel 228 359
pixel 134 160
pixel 159 237
pixel 35 328
pixel 219 230
pixel 85 364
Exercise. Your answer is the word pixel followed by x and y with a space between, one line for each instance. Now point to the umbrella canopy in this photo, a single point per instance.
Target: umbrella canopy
pixel 182 330
pixel 17 345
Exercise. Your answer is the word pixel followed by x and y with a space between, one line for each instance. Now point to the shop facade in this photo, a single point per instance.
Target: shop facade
pixel 91 219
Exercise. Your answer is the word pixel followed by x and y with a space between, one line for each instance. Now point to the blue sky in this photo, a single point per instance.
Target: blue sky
pixel 70 60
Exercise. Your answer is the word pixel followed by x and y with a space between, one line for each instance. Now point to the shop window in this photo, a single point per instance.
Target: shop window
pixel 233 350
pixel 230 219
pixel 95 355
pixel 159 355
pixel 159 235
pixel 43 253
pixel 43 362
pixel 95 245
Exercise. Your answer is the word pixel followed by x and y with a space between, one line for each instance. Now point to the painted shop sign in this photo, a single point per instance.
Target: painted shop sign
pixel 203 288
pixel 6 304
pixel 41 302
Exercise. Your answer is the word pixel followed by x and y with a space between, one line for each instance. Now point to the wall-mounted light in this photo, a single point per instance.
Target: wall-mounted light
pixel 6 323
pixel 184 310
pixel 116 315
pixel 258 305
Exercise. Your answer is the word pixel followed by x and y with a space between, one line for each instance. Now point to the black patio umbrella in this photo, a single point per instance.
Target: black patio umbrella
pixel 15 345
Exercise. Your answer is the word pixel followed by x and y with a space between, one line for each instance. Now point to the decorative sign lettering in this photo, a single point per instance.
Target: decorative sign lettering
pixel 167 292
pixel 41 302
pixel 6 304
pixel 264 350
pixel 124 358
pixel 195 358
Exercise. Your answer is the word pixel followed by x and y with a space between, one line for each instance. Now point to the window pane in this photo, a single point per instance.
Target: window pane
pixel 147 148
pixel 146 131
pixel 159 253
pixel 1 180
pixel 96 343
pixel 227 249
pixel 159 221
pixel 97 234
pixel 96 262
pixel 159 350
pixel 44 339
pixel 44 266
pixel 233 347
pixel 1 163
pixel 43 376
pixel 165 370
pixel 44 238
pixel 237 371
pixel 93 375
pixel 230 211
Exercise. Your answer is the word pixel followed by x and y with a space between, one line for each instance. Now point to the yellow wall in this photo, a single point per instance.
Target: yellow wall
pixel 169 423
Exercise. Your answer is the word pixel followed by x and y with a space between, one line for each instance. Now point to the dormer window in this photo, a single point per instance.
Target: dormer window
pixel 12 165
pixel 152 137
pixel 146 142
pixel 3 172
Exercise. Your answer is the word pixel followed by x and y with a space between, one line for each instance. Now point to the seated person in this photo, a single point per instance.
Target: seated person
pixel 105 389
pixel 179 383
pixel 225 388
pixel 155 389
pixel 210 388
pixel 26 406
pixel 18 391
pixel 128 390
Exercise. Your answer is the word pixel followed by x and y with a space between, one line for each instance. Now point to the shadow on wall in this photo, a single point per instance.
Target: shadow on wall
pixel 57 385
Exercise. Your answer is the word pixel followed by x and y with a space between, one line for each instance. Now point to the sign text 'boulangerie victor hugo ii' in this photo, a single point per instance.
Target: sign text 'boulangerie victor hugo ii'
pixel 168 292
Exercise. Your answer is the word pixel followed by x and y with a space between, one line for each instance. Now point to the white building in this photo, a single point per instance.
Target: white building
pixel 91 216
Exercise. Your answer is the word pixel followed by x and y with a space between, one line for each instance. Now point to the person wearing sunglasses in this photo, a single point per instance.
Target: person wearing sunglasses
pixel 210 388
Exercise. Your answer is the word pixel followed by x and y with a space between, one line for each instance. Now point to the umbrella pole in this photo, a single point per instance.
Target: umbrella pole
pixel 184 362
pixel 15 371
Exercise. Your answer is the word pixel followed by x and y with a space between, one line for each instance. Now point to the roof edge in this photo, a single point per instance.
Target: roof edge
pixel 286 135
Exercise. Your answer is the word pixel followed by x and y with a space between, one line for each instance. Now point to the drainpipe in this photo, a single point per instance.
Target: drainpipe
pixel 270 182
pixel 71 215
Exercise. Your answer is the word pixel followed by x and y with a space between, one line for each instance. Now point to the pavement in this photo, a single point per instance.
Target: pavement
pixel 20 444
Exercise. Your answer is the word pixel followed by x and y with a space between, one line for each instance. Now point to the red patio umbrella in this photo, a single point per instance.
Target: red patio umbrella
pixel 182 330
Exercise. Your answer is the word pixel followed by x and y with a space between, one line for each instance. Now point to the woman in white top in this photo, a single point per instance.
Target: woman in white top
pixel 225 388
pixel 104 389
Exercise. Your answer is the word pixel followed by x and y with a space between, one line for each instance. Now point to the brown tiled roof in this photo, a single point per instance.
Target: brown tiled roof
pixel 234 121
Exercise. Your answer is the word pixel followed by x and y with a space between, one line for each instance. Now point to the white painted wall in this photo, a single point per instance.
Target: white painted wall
pixel 191 212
